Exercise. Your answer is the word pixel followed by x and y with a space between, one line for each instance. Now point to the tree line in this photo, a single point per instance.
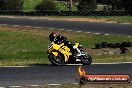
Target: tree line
pixel 117 4
pixel 81 4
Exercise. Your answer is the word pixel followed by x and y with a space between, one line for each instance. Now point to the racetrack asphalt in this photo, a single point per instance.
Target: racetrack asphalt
pixel 95 27
pixel 47 74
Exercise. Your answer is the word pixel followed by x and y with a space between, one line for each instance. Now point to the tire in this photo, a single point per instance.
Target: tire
pixel 83 80
pixel 56 60
pixel 86 60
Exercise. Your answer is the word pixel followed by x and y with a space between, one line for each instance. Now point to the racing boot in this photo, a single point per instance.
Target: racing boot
pixel 79 52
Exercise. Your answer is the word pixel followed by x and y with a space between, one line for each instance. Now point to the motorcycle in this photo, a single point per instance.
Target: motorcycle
pixel 60 54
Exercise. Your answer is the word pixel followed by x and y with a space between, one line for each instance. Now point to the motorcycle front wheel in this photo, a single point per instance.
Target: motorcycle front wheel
pixel 56 60
pixel 86 60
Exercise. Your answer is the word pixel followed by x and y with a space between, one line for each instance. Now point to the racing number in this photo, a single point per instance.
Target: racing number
pixel 65 49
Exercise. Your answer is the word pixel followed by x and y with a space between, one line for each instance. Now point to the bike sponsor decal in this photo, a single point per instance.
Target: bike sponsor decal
pixel 99 78
pixel 107 78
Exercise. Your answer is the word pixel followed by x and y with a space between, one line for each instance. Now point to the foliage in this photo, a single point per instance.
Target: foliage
pixel 87 5
pixel 46 5
pixel 117 4
pixel 11 4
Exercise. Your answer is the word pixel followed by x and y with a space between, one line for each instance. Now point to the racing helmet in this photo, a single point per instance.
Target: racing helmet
pixel 52 36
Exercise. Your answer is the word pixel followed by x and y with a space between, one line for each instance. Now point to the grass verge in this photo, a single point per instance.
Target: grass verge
pixel 28 45
pixel 117 19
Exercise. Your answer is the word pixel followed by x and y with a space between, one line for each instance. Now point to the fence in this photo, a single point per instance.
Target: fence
pixel 67 13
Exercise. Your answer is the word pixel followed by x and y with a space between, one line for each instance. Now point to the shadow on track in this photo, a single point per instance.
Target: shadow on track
pixel 50 65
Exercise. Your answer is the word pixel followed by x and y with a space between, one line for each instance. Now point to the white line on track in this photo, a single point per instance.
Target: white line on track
pixel 51 28
pixel 87 32
pixel 34 85
pixel 129 36
pixel 61 29
pixel 39 85
pixel 71 64
pixel 106 34
pixel 38 27
pixel 54 84
pixel 115 63
pixel 100 63
pixel 69 30
pixel 75 83
pixel 78 31
pixel 16 25
pixel 14 66
pixel 97 33
pixel 15 86
pixel 3 24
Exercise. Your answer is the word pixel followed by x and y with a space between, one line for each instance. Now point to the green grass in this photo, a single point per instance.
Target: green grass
pixel 21 46
pixel 24 46
pixel 29 5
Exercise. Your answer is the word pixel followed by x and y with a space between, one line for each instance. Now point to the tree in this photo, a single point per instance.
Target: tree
pixel 101 1
pixel 46 5
pixel 127 4
pixel 87 5
pixel 69 3
pixel 117 4
pixel 11 4
pixel 120 4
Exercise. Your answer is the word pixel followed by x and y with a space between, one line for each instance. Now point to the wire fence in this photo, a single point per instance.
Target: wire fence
pixel 67 13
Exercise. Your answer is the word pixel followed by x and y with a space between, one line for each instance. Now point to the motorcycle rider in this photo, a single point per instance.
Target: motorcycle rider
pixel 54 37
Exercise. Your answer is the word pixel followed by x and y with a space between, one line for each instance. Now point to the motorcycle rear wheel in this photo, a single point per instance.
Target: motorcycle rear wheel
pixel 56 60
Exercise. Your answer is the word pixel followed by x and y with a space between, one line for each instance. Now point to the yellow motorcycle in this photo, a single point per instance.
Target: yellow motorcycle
pixel 60 54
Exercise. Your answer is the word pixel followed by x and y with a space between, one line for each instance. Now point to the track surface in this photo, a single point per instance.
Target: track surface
pixel 46 74
pixel 105 28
